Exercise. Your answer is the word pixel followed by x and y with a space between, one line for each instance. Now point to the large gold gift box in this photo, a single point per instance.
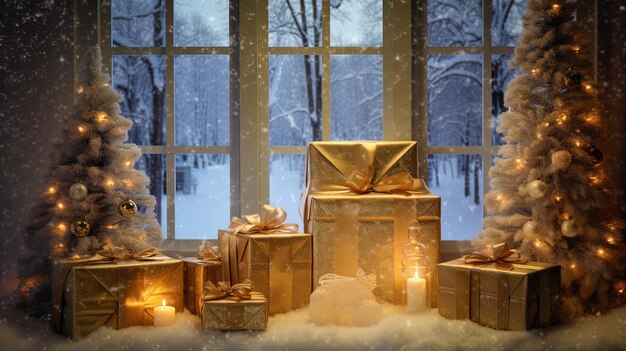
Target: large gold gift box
pixel 196 273
pixel 228 314
pixel 523 298
pixel 116 294
pixel 279 265
pixel 359 201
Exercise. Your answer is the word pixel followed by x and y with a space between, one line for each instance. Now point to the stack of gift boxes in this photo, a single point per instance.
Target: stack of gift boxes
pixel 359 200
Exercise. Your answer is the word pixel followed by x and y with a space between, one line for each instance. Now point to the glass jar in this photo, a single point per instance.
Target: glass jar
pixel 416 273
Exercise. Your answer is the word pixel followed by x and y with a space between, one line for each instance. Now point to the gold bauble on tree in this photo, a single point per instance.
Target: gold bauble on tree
pixel 537 189
pixel 80 227
pixel 127 208
pixel 561 159
pixel 570 228
pixel 78 191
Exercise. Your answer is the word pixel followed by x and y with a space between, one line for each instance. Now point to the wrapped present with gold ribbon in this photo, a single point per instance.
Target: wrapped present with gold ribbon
pixel 501 290
pixel 270 252
pixel 237 307
pixel 359 201
pixel 207 266
pixel 113 288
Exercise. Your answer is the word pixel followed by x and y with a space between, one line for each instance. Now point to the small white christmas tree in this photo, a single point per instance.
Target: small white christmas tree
pixel 550 187
pixel 94 194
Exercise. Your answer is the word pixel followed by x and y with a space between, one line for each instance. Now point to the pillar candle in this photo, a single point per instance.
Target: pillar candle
pixel 416 294
pixel 164 316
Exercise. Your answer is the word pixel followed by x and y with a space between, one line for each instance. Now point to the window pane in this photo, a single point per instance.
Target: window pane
pixel 202 100
pixel 501 77
pixel 286 184
pixel 295 100
pixel 138 23
pixel 201 22
pixel 356 84
pixel 141 82
pixel 202 195
pixel 455 23
pixel 356 23
pixel 455 100
pixel 506 21
pixel 154 167
pixel 295 23
pixel 458 179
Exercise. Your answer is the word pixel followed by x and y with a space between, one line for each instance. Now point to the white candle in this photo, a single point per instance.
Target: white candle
pixel 416 294
pixel 164 315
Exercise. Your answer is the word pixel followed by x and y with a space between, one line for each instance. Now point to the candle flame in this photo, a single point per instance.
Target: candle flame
pixel 163 303
pixel 417 274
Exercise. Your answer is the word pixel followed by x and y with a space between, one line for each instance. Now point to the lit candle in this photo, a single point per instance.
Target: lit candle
pixel 164 315
pixel 416 294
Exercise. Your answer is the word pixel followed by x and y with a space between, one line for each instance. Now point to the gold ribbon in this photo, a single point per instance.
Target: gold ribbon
pixel 110 254
pixel 501 256
pixel 270 221
pixel 208 252
pixel 330 279
pixel 223 290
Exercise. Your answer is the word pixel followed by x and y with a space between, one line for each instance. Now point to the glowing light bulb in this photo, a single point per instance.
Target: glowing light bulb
pixel 534 71
pixel 600 252
pixel 110 183
pixel 546 124
pixel 127 163
pixel 577 143
pixel 565 215
pixel 62 227
pixel 499 197
pixel 588 86
pixel 538 135
pixel 60 205
pixel 575 48
pixel 101 116
pixel 81 129
pixel 557 198
pixel 556 7
pixel 620 291
pixel 128 182
pixel 80 90
pixel 572 266
pixel 52 190
pixel 60 246
pixel 110 226
pixel 538 244
pixel 610 240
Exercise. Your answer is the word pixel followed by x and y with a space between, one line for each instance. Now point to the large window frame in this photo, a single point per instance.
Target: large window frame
pixel 405 54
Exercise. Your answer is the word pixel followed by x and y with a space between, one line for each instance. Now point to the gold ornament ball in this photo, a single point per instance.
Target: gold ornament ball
pixel 530 230
pixel 127 208
pixel 570 228
pixel 537 189
pixel 561 159
pixel 80 227
pixel 78 191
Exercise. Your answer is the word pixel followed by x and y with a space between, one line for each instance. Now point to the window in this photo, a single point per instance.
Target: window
pixel 224 127
pixel 462 71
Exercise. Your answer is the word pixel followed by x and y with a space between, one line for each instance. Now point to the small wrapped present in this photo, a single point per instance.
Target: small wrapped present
pixel 359 201
pixel 113 288
pixel 272 254
pixel 501 290
pixel 207 266
pixel 233 308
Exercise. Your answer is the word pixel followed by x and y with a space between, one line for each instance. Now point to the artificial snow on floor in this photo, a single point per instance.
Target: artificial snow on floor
pixel 293 331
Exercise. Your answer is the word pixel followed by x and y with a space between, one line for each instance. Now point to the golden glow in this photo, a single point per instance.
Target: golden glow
pixel 600 252
pixel 128 182
pixel 576 48
pixel 594 179
pixel 538 244
pixel 81 129
pixel 621 290
pixel 565 215
pixel 60 205
pixel 557 198
pixel 499 197
pixel 591 118
pixel 556 7
pixel 546 124
pixel 110 183
pixel 60 246
pixel 110 226
pixel 127 163
pixel 534 71
pixel 80 90
pixel 588 86
pixel 577 143
pixel 572 266
pixel 538 135
pixel 610 240
pixel 62 227
pixel 101 116
pixel 76 256
pixel 52 190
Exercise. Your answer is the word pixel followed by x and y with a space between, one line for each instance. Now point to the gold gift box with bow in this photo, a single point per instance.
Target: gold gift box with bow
pixel 233 308
pixel 500 294
pixel 114 293
pixel 359 200
pixel 266 250
pixel 207 266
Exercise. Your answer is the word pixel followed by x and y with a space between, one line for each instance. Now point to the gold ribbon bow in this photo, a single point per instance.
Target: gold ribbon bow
pixel 208 252
pixel 501 255
pixel 223 290
pixel 359 183
pixel 121 253
pixel 331 279
pixel 270 221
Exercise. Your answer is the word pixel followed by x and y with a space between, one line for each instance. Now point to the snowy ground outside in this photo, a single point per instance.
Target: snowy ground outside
pixel 200 215
pixel 294 331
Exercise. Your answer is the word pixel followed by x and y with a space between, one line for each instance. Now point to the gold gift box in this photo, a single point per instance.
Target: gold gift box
pixel 526 297
pixel 117 294
pixel 278 264
pixel 227 314
pixel 196 273
pixel 367 230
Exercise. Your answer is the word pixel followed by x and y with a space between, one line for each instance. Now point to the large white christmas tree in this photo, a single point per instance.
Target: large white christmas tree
pixel 94 195
pixel 551 187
